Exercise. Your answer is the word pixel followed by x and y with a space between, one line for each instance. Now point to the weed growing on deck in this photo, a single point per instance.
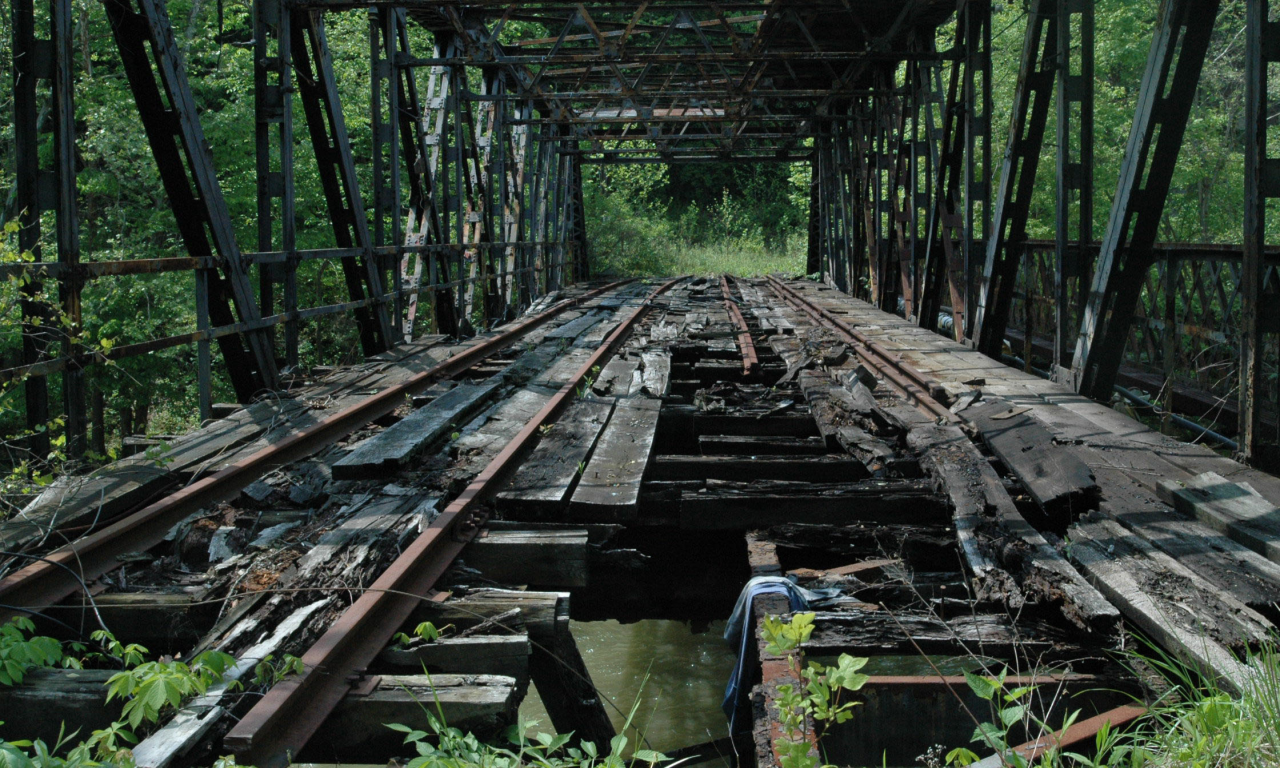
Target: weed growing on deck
pixel 1196 723
pixel 818 700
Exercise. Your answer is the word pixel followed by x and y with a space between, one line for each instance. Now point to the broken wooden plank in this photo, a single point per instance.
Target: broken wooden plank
pixel 867 632
pixel 554 558
pixel 197 717
pixel 617 378
pixel 609 488
pixel 1228 508
pixel 395 447
pixel 545 481
pixel 1186 615
pixel 987 520
pixel 1060 483
pixel 726 505
pixel 657 373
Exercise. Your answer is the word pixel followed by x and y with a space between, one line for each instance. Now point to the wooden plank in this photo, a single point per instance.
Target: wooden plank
pixel 1199 623
pixel 395 448
pixel 609 488
pixel 806 469
pixel 548 558
pixel 657 373
pixel 997 541
pixel 578 326
pixel 761 445
pixel 485 705
pixel 830 403
pixel 1228 564
pixel 864 632
pixel 728 506
pixel 1058 481
pixel 545 481
pixel 1228 508
pixel 617 378
pixel 502 654
pixel 563 369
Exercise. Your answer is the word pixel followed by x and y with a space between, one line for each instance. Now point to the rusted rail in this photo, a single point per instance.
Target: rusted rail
pixel 1077 735
pixel 926 392
pixel 50 581
pixel 750 361
pixel 291 712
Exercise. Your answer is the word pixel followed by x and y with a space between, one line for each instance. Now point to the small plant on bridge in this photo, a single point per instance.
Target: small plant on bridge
pixel 818 699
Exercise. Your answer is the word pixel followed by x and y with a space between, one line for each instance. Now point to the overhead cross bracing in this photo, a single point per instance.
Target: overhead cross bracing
pixel 681 81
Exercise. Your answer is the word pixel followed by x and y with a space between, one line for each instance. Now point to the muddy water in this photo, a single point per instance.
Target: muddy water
pixel 687 672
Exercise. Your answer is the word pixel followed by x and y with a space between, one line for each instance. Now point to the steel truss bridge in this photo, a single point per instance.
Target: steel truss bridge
pixel 480 138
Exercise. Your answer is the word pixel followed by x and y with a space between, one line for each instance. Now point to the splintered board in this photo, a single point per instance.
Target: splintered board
pixel 609 488
pixel 546 480
pixel 392 449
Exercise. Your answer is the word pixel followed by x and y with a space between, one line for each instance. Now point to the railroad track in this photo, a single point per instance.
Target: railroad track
pixel 291 712
pixel 721 412
pixel 62 573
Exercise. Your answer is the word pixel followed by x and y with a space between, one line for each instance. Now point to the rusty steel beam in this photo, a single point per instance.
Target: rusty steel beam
pixel 750 361
pixel 282 722
pixel 1258 444
pixel 46 583
pixel 1074 736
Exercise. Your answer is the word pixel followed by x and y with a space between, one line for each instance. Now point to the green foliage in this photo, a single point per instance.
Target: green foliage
pixel 425 632
pixel 149 689
pixel 651 220
pixel 20 653
pixel 154 686
pixel 268 672
pixel 783 636
pixel 818 699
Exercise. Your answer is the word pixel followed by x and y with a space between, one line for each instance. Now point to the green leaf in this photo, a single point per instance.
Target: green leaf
pixel 1011 715
pixel 617 744
pixel 650 756
pixel 982 687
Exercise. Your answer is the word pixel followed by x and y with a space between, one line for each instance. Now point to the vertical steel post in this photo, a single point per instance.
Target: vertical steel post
pixel 977 156
pixel 27 179
pixel 273 146
pixel 1261 182
pixel 1072 264
pixel 1028 119
pixel 68 222
pixel 1180 42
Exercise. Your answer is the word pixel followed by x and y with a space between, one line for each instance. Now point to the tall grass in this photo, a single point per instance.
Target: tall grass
pixel 636 235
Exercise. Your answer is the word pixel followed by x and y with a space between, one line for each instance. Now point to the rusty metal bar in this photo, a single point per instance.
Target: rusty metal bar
pixel 284 720
pixel 750 362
